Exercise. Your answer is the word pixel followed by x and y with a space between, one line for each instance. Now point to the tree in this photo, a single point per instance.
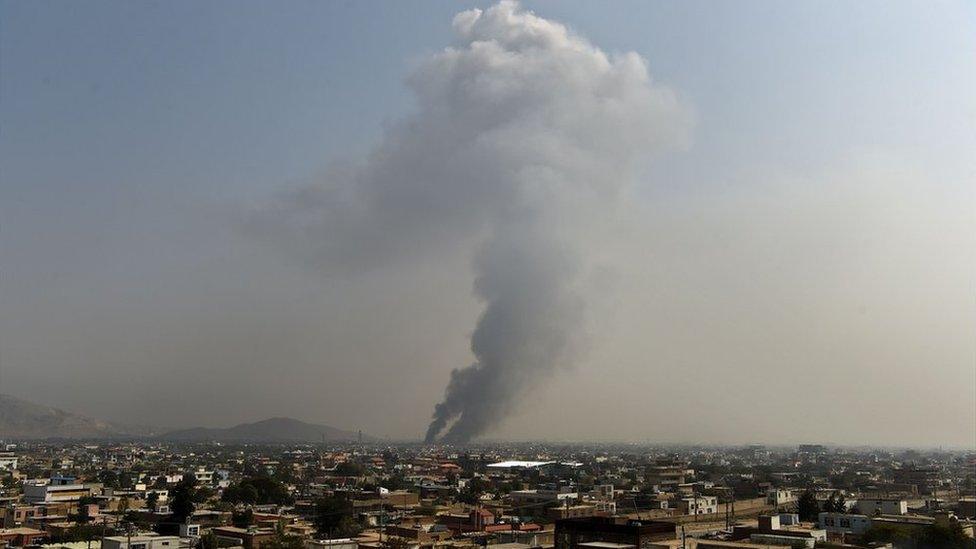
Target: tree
pixel 242 519
pixel 152 500
pixel 124 505
pixel 349 469
pixel 184 497
pixel 109 478
pixel 284 541
pixel 334 517
pixel 835 503
pixel 807 506
pixel 260 490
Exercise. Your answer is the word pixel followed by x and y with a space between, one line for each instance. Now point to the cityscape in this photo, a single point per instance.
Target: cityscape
pixel 351 494
pixel 487 274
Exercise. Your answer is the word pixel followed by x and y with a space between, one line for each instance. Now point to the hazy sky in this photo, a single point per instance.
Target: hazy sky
pixel 798 264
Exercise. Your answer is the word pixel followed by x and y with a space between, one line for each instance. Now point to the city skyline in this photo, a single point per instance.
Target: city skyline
pixel 214 216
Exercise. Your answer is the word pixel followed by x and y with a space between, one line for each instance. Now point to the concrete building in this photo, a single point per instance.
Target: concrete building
pixel 781 496
pixel 141 542
pixel 841 523
pixel 8 461
pixel 584 533
pixel 696 505
pixel 341 543
pixel 51 493
pixel 231 536
pixel 21 537
pixel 925 479
pixel 882 506
pixel 562 496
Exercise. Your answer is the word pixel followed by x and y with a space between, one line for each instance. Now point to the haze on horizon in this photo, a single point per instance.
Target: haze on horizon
pixel 785 251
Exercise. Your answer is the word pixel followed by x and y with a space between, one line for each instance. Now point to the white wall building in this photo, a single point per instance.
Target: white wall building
pixel 141 542
pixel 780 496
pixel 697 505
pixel 841 523
pixel 8 461
pixel 872 507
pixel 47 493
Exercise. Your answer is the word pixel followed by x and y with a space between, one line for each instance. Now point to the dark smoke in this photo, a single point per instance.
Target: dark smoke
pixel 528 327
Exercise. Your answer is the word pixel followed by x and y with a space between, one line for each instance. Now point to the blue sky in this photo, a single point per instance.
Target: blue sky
pixel 132 134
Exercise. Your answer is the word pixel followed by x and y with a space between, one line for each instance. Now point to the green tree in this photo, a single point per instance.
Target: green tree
pixel 260 490
pixel 835 503
pixel 349 469
pixel 152 500
pixel 334 517
pixel 284 541
pixel 242 519
pixel 807 506
pixel 184 499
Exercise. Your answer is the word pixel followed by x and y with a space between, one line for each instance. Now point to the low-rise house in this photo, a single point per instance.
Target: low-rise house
pixel 22 536
pixel 838 525
pixel 141 541
pixel 882 506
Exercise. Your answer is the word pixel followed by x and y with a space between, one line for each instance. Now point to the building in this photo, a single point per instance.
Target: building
pixel 598 532
pixel 575 511
pixel 53 492
pixel 340 543
pixel 925 479
pixel 882 506
pixel 696 505
pixel 203 476
pixel 668 472
pixel 770 531
pixel 966 507
pixel 562 496
pixel 231 536
pixel 8 461
pixel 141 542
pixel 21 537
pixel 781 496
pixel 841 524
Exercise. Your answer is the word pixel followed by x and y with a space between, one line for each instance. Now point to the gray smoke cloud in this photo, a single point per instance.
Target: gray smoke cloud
pixel 525 136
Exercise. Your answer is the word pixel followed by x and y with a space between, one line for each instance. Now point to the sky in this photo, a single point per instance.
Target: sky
pixel 215 212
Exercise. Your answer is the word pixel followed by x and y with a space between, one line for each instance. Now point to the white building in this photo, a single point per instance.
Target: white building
pixel 141 541
pixel 8 461
pixel 697 505
pixel 841 523
pixel 872 507
pixel 48 493
pixel 530 497
pixel 341 543
pixel 203 476
pixel 780 496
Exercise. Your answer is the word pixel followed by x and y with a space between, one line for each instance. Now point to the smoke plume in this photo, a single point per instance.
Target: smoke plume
pixel 524 136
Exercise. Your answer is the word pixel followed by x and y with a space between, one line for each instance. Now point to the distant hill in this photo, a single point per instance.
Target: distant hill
pixel 23 419
pixel 277 429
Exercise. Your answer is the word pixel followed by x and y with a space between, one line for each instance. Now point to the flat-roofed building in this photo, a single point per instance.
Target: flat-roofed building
pixel 141 541
pixel 576 533
pixel 50 493
pixel 882 506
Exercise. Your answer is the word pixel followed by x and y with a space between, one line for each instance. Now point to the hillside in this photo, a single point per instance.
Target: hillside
pixel 278 429
pixel 23 419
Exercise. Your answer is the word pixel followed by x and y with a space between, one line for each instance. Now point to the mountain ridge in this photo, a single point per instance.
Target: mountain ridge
pixel 274 429
pixel 23 419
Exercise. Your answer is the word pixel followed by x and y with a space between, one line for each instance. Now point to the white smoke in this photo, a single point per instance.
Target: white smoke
pixel 525 135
